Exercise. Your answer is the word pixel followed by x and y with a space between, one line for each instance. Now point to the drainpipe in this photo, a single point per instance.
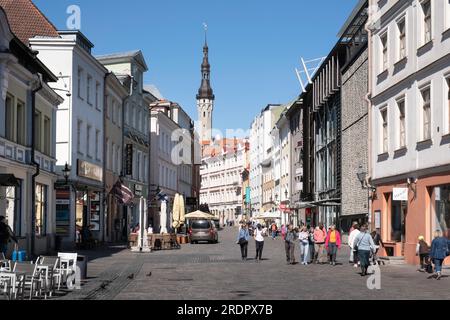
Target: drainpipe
pixel 105 195
pixel 368 98
pixel 36 165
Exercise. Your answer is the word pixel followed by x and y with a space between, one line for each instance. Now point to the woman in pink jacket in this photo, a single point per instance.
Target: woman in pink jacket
pixel 333 243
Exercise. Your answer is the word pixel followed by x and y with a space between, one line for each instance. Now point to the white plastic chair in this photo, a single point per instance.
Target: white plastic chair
pixel 67 265
pixel 54 271
pixel 31 279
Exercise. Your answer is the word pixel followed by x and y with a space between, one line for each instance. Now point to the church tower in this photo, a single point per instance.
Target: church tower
pixel 205 99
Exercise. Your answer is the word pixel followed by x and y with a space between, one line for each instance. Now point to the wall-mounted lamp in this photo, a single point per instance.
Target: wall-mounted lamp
pixel 412 185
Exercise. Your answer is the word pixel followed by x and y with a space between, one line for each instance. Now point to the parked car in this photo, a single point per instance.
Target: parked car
pixel 203 230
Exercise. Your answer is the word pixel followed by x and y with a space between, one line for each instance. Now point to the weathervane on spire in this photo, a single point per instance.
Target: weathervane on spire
pixel 205 26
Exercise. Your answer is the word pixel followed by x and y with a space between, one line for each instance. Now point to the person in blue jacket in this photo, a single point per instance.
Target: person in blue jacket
pixel 242 240
pixel 439 251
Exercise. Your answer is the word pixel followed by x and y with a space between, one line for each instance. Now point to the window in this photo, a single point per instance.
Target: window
pixel 88 140
pixel 426 115
pixel 47 136
pixel 113 157
pixel 13 213
pixel 448 102
pixel 427 21
pixel 402 123
pixel 107 107
pixel 442 210
pixel 447 14
pixel 402 38
pixel 384 121
pixel 88 89
pixel 9 118
pixel 113 110
pixel 79 128
pixel 118 162
pixel 108 161
pixel 97 91
pixel 138 167
pixel 21 123
pixel 37 131
pixel 119 116
pixel 384 50
pixel 97 145
pixel 80 81
pixel 127 107
pixel 41 209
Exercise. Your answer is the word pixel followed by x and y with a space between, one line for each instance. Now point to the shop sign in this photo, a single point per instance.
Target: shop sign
pixel 285 208
pixel 400 194
pixel 90 171
pixel 129 160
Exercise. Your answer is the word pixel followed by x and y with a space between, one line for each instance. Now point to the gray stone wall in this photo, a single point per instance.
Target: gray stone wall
pixel 354 136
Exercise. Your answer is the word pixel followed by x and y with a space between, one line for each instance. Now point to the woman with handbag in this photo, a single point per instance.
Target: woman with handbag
pixel 363 245
pixel 242 240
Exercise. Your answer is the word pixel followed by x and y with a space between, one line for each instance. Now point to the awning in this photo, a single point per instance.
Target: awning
pixel 9 180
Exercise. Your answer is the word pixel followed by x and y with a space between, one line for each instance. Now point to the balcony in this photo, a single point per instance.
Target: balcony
pixel 46 163
pixel 13 151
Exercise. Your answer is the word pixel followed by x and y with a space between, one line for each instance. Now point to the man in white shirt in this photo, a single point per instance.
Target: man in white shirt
pixel 351 244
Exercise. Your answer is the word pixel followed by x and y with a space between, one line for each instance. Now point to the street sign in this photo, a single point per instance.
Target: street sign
pixel 400 194
pixel 129 160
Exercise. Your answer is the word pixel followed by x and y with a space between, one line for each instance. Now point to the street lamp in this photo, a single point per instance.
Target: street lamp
pixel 66 172
pixel 362 177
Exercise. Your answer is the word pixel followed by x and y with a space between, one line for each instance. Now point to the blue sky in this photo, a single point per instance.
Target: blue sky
pixel 254 45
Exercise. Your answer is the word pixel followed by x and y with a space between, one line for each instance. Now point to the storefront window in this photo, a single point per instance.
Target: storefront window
pixel 13 216
pixel 81 208
pixel 442 210
pixel 398 220
pixel 41 209
pixel 95 211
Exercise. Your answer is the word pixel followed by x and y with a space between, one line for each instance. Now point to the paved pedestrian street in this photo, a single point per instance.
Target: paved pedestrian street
pixel 216 272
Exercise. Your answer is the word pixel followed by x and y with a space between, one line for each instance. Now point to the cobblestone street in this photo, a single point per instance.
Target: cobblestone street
pixel 213 272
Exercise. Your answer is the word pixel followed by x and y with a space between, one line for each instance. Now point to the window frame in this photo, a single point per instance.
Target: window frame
pixel 427 22
pixel 384 121
pixel 43 213
pixel 426 125
pixel 402 136
pixel 402 38
pixel 384 52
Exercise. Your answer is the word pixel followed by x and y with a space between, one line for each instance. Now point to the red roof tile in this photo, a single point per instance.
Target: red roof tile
pixel 26 20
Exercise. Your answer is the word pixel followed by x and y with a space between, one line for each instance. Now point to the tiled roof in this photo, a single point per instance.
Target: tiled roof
pixel 27 21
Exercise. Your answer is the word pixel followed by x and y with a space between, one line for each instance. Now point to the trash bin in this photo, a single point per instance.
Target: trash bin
pixel 82 264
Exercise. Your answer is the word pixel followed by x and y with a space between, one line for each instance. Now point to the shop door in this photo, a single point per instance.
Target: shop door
pixel 398 222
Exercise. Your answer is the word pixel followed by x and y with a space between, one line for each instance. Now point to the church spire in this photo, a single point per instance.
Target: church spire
pixel 205 91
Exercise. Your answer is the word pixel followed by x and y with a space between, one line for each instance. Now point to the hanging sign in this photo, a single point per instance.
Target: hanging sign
pixel 400 194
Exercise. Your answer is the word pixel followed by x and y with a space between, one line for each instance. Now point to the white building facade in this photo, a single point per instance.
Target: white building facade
pixel 221 180
pixel 80 134
pixel 410 122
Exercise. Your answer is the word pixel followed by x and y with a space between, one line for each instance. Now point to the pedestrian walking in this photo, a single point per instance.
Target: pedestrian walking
pixel 259 242
pixel 274 231
pixel 320 236
pixel 289 243
pixel 439 251
pixel 355 223
pixel 283 231
pixel 351 242
pixel 363 244
pixel 333 244
pixel 304 245
pixel 242 240
pixel 423 251
pixel 6 235
pixel 311 243
pixel 376 236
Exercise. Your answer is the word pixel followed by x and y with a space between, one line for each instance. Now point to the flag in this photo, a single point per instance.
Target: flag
pixel 123 193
